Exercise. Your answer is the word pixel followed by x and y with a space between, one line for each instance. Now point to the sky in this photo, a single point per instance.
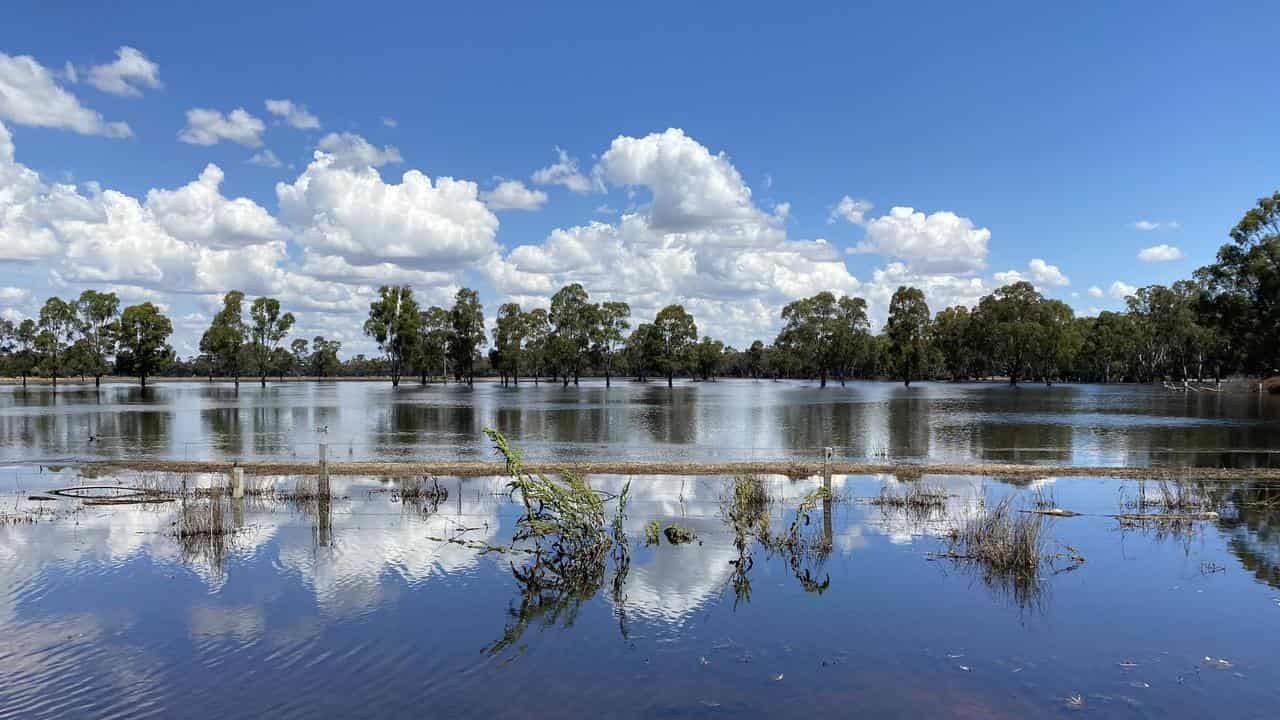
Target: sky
pixel 729 156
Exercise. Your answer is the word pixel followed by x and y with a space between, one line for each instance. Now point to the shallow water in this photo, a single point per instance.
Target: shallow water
pixel 722 421
pixel 368 610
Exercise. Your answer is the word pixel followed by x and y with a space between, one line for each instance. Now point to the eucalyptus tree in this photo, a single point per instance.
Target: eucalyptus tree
pixel 468 336
pixel 508 341
pixel 953 340
pixel 573 322
pixel 433 348
pixel 708 355
pixel 267 329
pixel 1058 343
pixel 908 332
pixel 59 325
pixel 1245 283
pixel 850 337
pixel 298 349
pixel 537 330
pixel 1010 320
pixel 395 325
pixel 324 356
pixel 808 332
pixel 642 350
pixel 23 357
pixel 143 340
pixel 98 313
pixel 224 341
pixel 675 333
pixel 1109 344
pixel 754 360
pixel 610 331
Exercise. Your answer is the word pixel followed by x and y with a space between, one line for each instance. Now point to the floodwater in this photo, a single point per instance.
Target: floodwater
pixel 365 608
pixel 1121 425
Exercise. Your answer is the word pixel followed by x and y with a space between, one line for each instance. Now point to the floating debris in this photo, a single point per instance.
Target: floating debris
pixel 1217 663
pixel 678 534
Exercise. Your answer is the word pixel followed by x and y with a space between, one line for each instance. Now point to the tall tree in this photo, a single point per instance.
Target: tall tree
pixel 573 320
pixel 301 356
pixel 433 350
pixel 143 337
pixel 468 336
pixel 268 327
pixel 508 341
pixel 850 336
pixel 1010 319
pixel 58 326
pixel 537 329
pixel 707 356
pixel 808 332
pixel 675 333
pixel 610 335
pixel 908 332
pixel 98 313
pixel 324 356
pixel 394 323
pixel 224 341
pixel 24 356
pixel 952 338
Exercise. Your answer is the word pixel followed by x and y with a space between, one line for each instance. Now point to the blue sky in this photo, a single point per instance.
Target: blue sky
pixel 1054 129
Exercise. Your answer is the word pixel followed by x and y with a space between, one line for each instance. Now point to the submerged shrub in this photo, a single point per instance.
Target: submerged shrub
pixel 678 534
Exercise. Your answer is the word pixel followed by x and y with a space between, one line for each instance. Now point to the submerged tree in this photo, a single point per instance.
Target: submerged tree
pixel 674 335
pixel 268 329
pixel 467 318
pixel 224 340
pixel 98 313
pixel 908 332
pixel 58 325
pixel 394 324
pixel 144 335
pixel 610 335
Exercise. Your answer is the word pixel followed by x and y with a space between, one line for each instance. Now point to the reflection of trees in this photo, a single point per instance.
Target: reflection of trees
pixel 804 545
pixel 1251 523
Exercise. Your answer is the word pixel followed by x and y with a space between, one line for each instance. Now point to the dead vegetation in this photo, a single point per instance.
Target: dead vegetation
pixel 203 530
pixel 1010 550
pixel 678 534
pixel 914 496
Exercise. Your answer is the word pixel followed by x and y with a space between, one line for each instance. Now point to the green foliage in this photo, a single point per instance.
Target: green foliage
pixel 652 533
pixel 224 341
pixel 143 337
pixel 908 332
pixel 674 334
pixel 268 327
pixel 394 323
pixel 467 337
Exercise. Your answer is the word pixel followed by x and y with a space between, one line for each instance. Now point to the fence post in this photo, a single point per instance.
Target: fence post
pixel 324 468
pixel 827 454
pixel 237 481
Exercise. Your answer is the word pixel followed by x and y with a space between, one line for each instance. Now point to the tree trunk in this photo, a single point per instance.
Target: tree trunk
pixel 606 377
pixel 669 376
pixel 143 378
pixel 97 381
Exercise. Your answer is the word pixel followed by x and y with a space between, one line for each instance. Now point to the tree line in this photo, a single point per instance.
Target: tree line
pixel 1224 320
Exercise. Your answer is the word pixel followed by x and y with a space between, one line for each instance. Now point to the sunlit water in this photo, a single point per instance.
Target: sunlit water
pixel 367 610
pixel 725 420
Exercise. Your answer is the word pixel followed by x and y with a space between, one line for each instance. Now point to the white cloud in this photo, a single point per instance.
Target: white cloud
pixel 1009 277
pixel 208 127
pixel 1095 291
pixel 941 242
pixel 126 75
pixel 1120 290
pixel 564 171
pixel 29 208
pixel 700 241
pixel 390 122
pixel 198 213
pixel 941 290
pixel 13 295
pixel 350 150
pixel 265 158
pixel 30 95
pixel 852 210
pixel 1149 225
pixel 339 207
pixel 1160 253
pixel 1045 274
pixel 296 115
pixel 514 195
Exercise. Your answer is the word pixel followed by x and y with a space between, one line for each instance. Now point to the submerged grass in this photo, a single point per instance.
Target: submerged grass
pixel 918 497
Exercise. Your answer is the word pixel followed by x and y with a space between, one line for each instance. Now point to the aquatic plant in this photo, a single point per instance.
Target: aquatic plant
pixel 678 534
pixel 652 533
pixel 912 496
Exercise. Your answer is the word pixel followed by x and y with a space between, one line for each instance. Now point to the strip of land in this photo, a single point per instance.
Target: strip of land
pixel 628 467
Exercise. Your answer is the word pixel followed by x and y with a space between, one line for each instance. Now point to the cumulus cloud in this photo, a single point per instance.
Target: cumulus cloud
pixel 1160 253
pixel 338 206
pixel 854 211
pixel 296 115
pixel 940 242
pixel 31 95
pixel 1095 291
pixel 199 213
pixel 941 290
pixel 1120 290
pixel 700 241
pixel 1149 225
pixel 127 75
pixel 514 195
pixel 1038 273
pixel 564 171
pixel 209 127
pixel 265 158
pixel 349 150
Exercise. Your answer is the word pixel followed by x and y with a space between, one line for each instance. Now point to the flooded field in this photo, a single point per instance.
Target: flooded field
pixel 154 595
pixel 728 420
